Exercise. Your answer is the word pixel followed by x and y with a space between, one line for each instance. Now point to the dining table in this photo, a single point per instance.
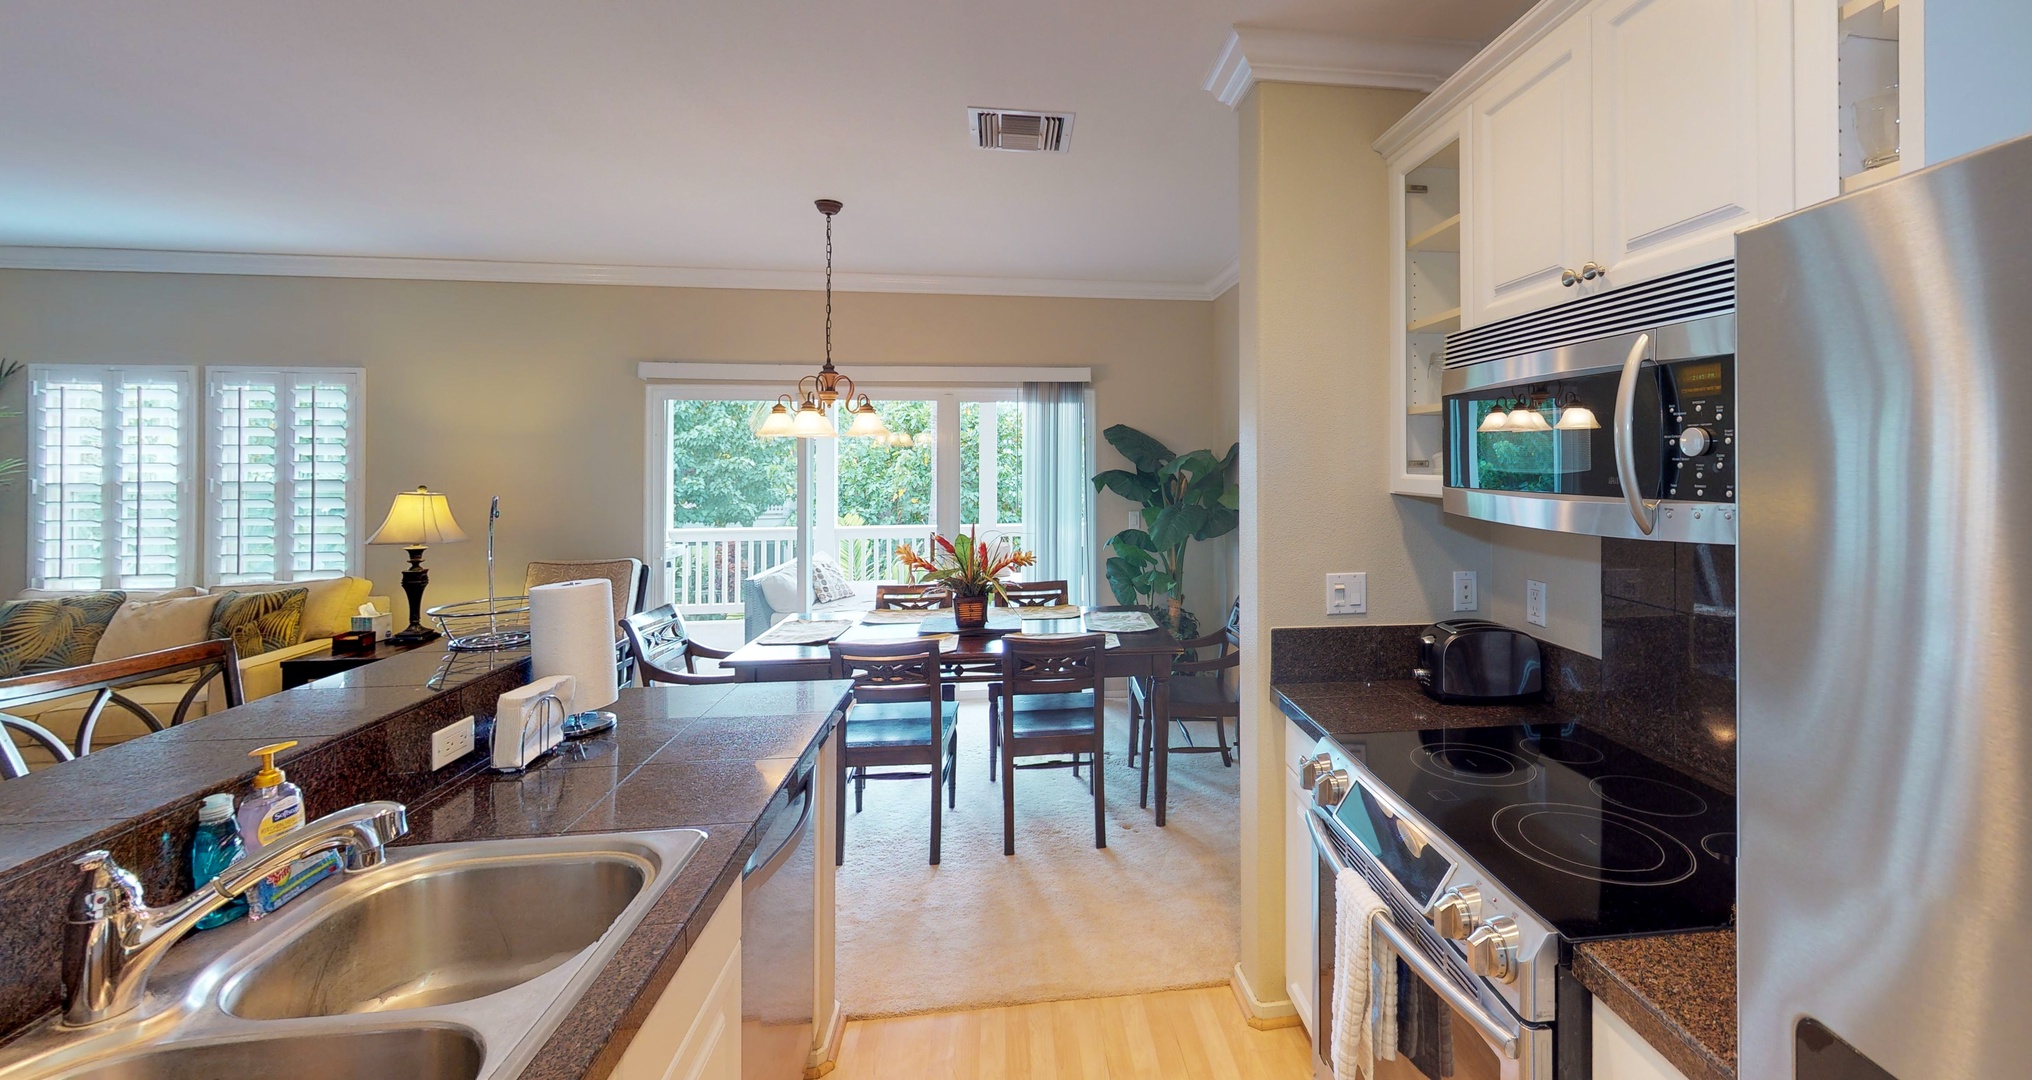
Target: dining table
pixel 1141 654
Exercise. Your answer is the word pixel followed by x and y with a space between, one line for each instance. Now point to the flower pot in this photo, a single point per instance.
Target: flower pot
pixel 970 612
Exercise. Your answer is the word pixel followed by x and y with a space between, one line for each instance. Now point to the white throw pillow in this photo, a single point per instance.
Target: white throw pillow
pixel 828 581
pixel 779 587
pixel 328 609
pixel 151 625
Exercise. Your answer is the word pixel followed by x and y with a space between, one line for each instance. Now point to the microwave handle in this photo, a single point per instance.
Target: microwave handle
pixel 1414 957
pixel 1646 514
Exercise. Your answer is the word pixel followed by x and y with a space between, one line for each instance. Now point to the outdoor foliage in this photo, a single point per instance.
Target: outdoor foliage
pixel 888 485
pixel 1513 460
pixel 1183 498
pixel 973 567
pixel 721 474
pixel 1008 420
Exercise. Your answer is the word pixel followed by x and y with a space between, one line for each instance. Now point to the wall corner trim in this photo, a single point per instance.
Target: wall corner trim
pixel 1254 54
pixel 1261 1014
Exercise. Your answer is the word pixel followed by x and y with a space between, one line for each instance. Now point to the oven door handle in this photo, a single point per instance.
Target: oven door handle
pixel 1503 1037
pixel 1646 514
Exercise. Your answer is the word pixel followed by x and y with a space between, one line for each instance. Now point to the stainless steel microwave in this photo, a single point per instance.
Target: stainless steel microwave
pixel 1632 435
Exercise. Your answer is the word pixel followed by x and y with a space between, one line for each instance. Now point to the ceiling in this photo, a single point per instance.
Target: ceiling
pixel 649 133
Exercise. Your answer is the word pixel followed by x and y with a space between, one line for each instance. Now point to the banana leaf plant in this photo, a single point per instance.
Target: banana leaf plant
pixel 1182 498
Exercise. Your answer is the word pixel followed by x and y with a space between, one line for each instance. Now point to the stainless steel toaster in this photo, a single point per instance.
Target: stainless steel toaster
pixel 1474 661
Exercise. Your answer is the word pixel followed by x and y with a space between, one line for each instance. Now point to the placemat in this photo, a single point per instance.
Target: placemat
pixel 1109 641
pixel 894 615
pixel 798 632
pixel 1123 622
pixel 1045 611
pixel 1000 621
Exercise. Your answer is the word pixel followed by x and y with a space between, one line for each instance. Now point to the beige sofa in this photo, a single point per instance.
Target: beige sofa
pixel 164 619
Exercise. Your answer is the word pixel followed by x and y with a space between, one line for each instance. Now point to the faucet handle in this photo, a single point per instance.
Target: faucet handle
pixel 105 889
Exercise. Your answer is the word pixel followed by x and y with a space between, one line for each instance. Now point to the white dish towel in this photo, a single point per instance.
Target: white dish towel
pixel 1365 982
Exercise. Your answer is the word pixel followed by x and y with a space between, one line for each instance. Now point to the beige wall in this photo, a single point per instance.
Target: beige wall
pixel 530 391
pixel 1227 355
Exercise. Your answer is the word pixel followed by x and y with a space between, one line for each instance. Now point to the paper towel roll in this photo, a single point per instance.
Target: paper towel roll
pixel 571 632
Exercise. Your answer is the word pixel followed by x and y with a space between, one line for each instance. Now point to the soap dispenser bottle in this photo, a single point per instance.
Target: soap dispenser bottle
pixel 216 847
pixel 276 805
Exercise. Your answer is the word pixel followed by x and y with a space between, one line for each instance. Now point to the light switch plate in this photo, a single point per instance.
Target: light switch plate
pixel 1534 602
pixel 450 743
pixel 1464 591
pixel 1347 594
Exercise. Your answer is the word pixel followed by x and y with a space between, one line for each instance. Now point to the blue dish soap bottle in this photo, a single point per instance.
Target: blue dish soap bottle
pixel 215 847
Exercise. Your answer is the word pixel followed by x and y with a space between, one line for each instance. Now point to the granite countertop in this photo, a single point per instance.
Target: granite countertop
pixel 1677 990
pixel 705 757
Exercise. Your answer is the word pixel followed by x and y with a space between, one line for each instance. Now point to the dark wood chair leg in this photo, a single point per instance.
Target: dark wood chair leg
pixel 1100 791
pixel 937 804
pixel 994 734
pixel 860 786
pixel 952 770
pixel 1135 722
pixel 1008 790
pixel 1221 733
pixel 840 797
pixel 1143 773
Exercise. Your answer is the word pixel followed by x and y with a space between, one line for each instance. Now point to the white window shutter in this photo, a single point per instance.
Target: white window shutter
pixel 285 474
pixel 111 457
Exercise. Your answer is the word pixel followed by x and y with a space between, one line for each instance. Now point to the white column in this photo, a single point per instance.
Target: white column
pixel 989 476
pixel 826 518
pixel 804 521
pixel 945 488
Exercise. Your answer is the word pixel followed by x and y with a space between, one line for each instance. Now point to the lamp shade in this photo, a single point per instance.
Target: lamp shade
pixel 867 424
pixel 1577 418
pixel 1526 418
pixel 419 517
pixel 1497 420
pixel 811 423
pixel 777 425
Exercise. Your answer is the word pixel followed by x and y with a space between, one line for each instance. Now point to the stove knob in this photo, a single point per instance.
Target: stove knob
pixel 1695 441
pixel 1492 949
pixel 1454 914
pixel 1310 769
pixel 1331 788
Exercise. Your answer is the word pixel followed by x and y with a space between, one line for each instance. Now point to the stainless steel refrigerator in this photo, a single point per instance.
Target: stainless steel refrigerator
pixel 1885 619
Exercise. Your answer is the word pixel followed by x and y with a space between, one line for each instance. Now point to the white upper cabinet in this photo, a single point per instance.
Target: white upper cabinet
pixel 1678 117
pixel 1531 179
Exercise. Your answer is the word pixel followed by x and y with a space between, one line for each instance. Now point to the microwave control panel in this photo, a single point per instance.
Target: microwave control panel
pixel 1700 429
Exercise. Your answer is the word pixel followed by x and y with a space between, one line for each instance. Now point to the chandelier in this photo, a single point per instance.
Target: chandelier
pixel 803 416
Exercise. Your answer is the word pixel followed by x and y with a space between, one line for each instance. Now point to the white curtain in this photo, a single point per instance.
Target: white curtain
pixel 1057 490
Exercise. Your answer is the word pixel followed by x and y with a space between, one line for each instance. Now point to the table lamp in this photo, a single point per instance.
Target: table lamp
pixel 418 518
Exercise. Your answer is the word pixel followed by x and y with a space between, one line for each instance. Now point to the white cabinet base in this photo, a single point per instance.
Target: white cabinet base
pixel 1622 1054
pixel 693 1032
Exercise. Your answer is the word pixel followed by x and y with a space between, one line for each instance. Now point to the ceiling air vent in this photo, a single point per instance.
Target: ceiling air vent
pixel 1009 129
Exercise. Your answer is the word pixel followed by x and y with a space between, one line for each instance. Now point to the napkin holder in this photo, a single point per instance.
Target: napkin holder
pixel 529 722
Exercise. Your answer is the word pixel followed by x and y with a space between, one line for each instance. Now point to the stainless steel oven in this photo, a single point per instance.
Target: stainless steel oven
pixel 1631 434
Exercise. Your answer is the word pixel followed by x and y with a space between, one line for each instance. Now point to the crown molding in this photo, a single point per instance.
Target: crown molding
pixel 1529 29
pixel 1254 54
pixel 878 374
pixel 149 261
pixel 1227 279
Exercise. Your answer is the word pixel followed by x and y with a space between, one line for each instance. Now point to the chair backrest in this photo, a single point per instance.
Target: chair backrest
pixel 215 659
pixel 1051 663
pixel 891 670
pixel 1037 593
pixel 911 597
pixel 660 644
pixel 624 574
pixel 1235 617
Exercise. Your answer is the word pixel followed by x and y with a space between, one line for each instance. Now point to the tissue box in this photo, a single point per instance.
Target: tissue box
pixel 380 625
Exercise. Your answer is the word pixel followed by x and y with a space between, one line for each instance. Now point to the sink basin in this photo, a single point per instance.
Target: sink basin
pixel 423 1053
pixel 440 935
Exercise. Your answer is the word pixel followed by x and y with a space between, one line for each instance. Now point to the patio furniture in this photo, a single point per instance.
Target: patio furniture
pixel 664 651
pixel 898 717
pixel 1052 704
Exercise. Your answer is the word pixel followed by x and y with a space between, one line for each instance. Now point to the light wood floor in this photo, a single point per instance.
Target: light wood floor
pixel 1176 1034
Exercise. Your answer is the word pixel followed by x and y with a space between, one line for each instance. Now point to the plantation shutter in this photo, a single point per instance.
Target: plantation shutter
pixel 111 456
pixel 285 474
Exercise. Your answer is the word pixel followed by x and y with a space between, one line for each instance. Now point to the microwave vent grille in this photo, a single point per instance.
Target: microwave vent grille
pixel 1674 298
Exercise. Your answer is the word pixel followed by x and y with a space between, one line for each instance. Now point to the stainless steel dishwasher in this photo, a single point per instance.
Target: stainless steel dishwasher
pixel 779 899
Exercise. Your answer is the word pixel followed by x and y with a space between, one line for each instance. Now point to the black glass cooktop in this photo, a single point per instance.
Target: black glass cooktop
pixel 1599 839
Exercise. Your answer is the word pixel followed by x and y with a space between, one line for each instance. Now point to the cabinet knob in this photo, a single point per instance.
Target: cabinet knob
pixel 1593 270
pixel 1569 277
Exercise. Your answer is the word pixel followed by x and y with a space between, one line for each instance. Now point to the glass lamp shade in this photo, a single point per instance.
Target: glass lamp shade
pixel 1526 418
pixel 811 423
pixel 1577 418
pixel 418 518
pixel 1497 420
pixel 776 425
pixel 867 424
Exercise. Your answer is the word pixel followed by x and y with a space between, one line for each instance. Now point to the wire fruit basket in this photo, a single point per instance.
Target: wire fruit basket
pixel 487 625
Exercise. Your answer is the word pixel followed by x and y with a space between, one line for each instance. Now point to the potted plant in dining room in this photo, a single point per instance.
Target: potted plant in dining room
pixel 1181 498
pixel 970 570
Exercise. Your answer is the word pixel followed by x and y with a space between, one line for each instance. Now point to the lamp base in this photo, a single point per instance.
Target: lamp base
pixel 412 635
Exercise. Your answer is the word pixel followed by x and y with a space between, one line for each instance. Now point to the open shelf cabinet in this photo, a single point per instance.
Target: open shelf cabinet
pixel 1427 215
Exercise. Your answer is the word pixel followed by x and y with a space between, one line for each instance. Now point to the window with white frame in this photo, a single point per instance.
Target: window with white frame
pixel 111 458
pixel 283 486
pixel 115 463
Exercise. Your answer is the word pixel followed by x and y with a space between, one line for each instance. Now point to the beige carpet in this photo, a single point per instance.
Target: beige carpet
pixel 1158 909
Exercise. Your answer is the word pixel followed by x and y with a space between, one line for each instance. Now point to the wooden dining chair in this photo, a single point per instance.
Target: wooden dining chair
pixel 664 651
pixel 898 717
pixel 210 660
pixel 1037 593
pixel 911 597
pixel 1199 694
pixel 1052 704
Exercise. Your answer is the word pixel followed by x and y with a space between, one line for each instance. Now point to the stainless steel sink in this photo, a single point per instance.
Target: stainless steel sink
pixel 448 961
pixel 440 936
pixel 420 1053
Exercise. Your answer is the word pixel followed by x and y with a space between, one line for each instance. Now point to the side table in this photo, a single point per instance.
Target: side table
pixel 307 668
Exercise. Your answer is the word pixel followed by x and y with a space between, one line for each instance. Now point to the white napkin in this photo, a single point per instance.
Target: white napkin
pixel 1354 1037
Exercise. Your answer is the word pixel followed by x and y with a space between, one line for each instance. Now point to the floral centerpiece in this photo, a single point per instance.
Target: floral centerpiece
pixel 970 571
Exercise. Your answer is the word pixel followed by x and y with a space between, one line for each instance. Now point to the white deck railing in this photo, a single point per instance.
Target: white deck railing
pixel 705 567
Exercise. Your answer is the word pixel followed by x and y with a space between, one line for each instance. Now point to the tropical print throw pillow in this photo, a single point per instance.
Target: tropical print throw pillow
pixel 49 635
pixel 260 622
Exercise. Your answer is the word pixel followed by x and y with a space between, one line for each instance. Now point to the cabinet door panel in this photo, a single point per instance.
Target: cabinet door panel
pixel 1531 177
pixel 1299 970
pixel 1676 133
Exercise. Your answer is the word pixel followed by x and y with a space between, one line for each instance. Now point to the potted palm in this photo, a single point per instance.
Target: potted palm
pixel 971 571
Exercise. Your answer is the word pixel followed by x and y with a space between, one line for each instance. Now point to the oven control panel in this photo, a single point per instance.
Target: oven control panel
pixel 1700 429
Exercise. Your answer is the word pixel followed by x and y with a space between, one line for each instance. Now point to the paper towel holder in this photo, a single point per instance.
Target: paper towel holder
pixel 591 722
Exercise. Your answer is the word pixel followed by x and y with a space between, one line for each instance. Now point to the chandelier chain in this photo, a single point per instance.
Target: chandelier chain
pixel 829 290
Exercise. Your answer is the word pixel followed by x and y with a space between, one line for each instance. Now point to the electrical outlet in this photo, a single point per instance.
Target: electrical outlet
pixel 1347 594
pixel 1464 590
pixel 450 743
pixel 1534 602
